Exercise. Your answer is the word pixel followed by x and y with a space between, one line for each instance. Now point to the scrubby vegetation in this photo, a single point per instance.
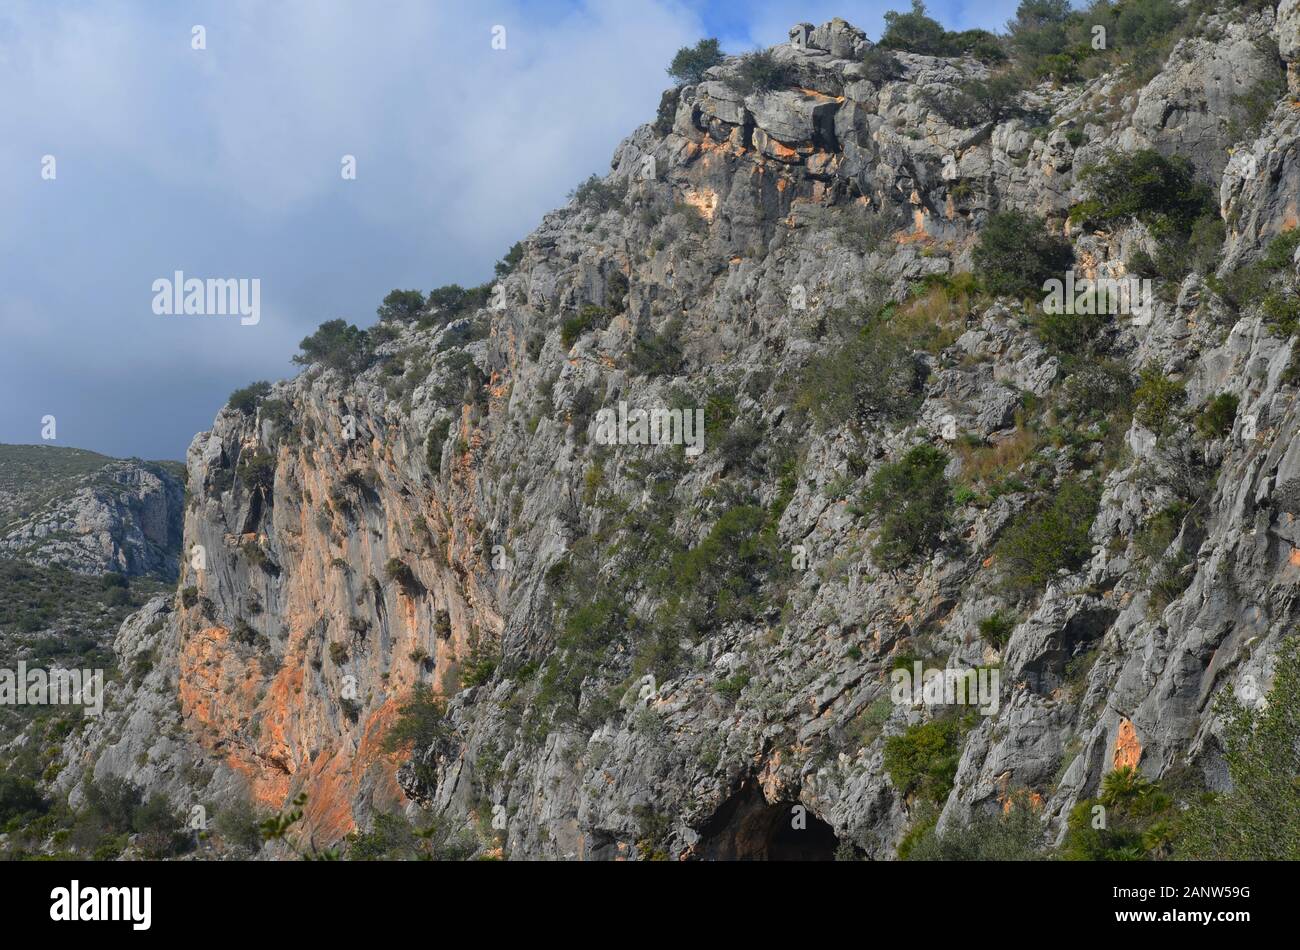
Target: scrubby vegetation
pixel 1051 538
pixel 868 372
pixel 915 32
pixel 1014 832
pixel 599 195
pixel 246 400
pixel 590 317
pixel 758 73
pixel 911 499
pixel 922 761
pixel 1259 819
pixel 337 345
pixel 1016 254
pixel 1128 821
pixel 691 62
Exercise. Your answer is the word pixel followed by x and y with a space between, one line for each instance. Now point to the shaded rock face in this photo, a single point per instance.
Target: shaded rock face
pixel 123 518
pixel 438 508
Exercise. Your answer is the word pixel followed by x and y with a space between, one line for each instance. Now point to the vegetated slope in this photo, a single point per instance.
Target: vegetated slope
pixel 578 650
pixel 88 512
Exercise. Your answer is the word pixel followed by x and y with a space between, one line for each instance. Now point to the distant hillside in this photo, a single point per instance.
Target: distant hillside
pixel 90 513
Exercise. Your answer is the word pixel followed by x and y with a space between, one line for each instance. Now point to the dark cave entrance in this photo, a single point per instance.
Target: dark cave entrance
pixel 747 828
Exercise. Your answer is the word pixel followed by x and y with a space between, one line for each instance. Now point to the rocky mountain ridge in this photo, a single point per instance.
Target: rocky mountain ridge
pixel 90 513
pixel 644 654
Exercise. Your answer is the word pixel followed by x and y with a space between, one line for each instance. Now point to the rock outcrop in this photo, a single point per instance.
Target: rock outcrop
pixel 89 513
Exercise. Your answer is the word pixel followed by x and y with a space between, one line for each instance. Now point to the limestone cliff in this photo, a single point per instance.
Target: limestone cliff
pixel 645 652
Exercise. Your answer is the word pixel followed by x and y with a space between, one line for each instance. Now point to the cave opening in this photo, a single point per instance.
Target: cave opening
pixel 747 828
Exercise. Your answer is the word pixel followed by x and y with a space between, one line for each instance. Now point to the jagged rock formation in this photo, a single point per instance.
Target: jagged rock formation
pixel 442 515
pixel 89 513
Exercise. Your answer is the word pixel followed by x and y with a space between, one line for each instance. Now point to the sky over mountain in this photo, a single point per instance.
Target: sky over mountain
pixel 225 162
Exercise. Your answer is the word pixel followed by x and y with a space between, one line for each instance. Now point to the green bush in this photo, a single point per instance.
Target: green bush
pixel 1040 543
pixel 760 72
pixel 507 264
pixel 881 65
pixel 916 32
pixel 868 371
pixel 451 302
pixel 996 629
pixel 1259 818
pixel 923 760
pixel 1268 281
pixel 257 470
pixel 434 442
pixel 1070 335
pixel 979 101
pixel 337 345
pixel 599 195
pixel 402 306
pixel 691 62
pixel 1162 193
pixel 590 317
pixel 912 500
pixel 421 721
pixel 237 825
pixel 1157 400
pixel 658 354
pixel 1013 833
pixel 399 571
pixel 1136 814
pixel 160 829
pixel 20 800
pixel 1016 254
pixel 1215 420
pixel 667 112
pixel 246 400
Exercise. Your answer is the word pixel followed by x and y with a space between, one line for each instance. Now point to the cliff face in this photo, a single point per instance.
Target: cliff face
pixel 90 513
pixel 647 652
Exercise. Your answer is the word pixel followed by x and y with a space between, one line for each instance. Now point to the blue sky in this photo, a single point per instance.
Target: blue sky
pixel 225 162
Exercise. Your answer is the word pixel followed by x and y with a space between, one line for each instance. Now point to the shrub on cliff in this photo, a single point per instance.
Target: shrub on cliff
pixel 691 62
pixel 1040 543
pixel 916 32
pixel 978 101
pixel 1259 818
pixel 337 345
pixel 421 721
pixel 1157 400
pixel 868 371
pixel 1137 811
pixel 245 400
pixel 923 760
pixel 401 305
pixel 912 499
pixel 1016 254
pixel 759 73
pixel 20 800
pixel 1162 193
pixel 1011 833
pixel 507 264
pixel 598 194
pixel 160 829
pixel 588 318
pixel 397 570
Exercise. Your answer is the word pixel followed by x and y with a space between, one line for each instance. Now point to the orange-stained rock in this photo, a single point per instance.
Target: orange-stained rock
pixel 1128 750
